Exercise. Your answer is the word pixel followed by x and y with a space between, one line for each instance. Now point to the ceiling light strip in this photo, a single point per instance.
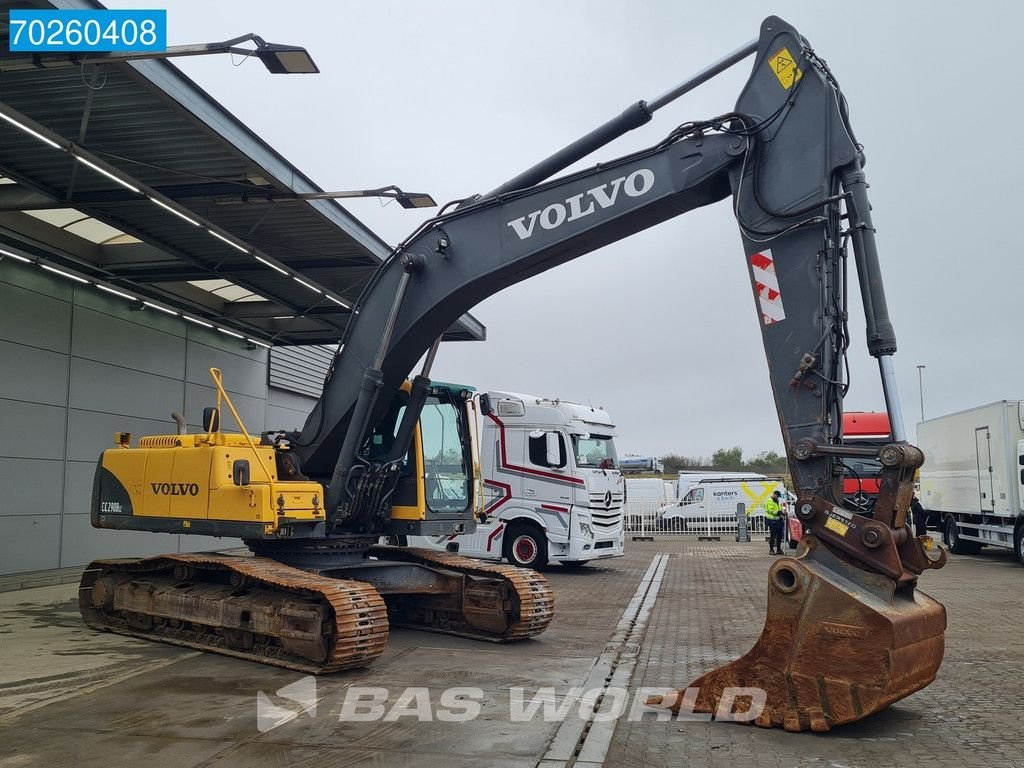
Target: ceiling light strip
pixel 30 131
pixel 15 256
pixel 108 174
pixel 62 273
pixel 270 264
pixel 162 309
pixel 175 211
pixel 338 301
pixel 230 242
pixel 116 292
pixel 300 281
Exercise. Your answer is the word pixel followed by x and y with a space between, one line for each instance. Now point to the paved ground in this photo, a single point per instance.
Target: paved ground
pixel 69 696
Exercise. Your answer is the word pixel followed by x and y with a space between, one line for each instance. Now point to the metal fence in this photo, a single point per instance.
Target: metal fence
pixel 641 520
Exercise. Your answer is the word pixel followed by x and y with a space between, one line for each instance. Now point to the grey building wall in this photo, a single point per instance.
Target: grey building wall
pixel 78 365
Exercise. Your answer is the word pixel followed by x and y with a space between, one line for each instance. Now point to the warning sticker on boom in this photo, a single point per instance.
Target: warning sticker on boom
pixel 784 66
pixel 766 284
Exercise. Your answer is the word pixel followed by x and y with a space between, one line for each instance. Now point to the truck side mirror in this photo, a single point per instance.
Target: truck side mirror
pixel 553 446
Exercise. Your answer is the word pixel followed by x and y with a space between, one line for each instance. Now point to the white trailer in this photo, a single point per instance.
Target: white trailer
pixel 649 489
pixel 551 487
pixel 972 480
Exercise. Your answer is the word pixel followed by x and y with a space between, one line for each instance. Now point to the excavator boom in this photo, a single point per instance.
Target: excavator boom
pixel 847 631
pixel 788 159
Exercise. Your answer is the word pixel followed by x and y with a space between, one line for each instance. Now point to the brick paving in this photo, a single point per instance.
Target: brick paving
pixel 711 611
pixel 165 706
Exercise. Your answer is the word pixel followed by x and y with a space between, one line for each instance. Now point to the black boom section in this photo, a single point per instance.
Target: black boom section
pixel 787 157
pixel 482 249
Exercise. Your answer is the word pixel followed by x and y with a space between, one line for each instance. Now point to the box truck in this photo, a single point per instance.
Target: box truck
pixel 972 480
pixel 551 487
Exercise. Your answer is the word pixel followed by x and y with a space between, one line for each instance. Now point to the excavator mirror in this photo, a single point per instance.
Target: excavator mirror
pixel 211 419
pixel 240 472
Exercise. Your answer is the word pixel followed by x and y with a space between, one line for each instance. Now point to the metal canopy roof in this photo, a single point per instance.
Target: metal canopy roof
pixel 286 272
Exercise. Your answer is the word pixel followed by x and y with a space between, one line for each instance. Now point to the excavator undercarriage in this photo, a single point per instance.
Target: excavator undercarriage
pixel 262 610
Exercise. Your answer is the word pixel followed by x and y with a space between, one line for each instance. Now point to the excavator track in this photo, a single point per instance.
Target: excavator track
pixel 251 608
pixel 506 604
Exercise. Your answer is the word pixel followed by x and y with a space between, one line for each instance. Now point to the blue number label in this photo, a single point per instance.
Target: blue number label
pixel 87 31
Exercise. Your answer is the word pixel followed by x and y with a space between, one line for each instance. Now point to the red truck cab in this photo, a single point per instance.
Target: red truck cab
pixel 860 482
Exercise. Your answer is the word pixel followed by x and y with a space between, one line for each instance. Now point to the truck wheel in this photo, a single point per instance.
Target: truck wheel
pixel 526 546
pixel 1018 543
pixel 394 541
pixel 956 545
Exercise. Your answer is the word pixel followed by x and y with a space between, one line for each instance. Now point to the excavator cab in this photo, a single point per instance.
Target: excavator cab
pixel 435 490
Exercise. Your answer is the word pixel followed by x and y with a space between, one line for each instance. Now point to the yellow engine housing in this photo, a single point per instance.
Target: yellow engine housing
pixel 185 484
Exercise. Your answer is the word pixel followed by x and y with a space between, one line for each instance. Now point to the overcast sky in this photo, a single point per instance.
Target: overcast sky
pixel 454 98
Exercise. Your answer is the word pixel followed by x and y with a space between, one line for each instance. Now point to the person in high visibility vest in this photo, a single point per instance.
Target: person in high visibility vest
pixel 776 519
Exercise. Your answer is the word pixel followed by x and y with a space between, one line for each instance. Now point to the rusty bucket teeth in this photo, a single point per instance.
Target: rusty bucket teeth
pixel 838 644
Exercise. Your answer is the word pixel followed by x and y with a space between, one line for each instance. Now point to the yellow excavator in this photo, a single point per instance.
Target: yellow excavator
pixel 847 631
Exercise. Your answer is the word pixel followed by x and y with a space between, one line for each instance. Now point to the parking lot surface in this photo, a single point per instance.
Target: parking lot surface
pixel 658 617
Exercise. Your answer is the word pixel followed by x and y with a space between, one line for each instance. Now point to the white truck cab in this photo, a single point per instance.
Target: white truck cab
pixel 551 487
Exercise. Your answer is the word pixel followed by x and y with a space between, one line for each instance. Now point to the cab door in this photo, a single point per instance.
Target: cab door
pixel 546 478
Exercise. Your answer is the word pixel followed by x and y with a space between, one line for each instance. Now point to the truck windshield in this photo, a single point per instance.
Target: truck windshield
pixel 446 478
pixel 594 451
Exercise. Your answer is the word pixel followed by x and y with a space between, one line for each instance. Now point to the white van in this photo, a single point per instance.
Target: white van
pixel 709 504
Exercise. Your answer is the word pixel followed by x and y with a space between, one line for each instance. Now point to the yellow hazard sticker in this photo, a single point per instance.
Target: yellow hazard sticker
pixel 836 526
pixel 784 66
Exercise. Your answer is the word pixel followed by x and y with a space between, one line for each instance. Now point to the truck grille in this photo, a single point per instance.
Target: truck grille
pixel 597 500
pixel 609 518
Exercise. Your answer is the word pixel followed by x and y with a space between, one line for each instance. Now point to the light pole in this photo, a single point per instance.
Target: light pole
pixel 920 387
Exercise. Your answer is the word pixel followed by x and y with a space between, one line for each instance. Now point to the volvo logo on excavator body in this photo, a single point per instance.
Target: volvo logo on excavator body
pixel 635 184
pixel 175 489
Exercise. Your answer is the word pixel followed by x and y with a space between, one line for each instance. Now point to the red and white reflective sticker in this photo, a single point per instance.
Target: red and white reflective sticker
pixel 769 300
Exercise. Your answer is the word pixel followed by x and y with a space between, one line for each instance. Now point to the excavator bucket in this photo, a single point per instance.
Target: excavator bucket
pixel 839 644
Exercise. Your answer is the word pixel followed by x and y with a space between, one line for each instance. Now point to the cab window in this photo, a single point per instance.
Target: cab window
pixel 595 451
pixel 695 495
pixel 445 436
pixel 538 448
